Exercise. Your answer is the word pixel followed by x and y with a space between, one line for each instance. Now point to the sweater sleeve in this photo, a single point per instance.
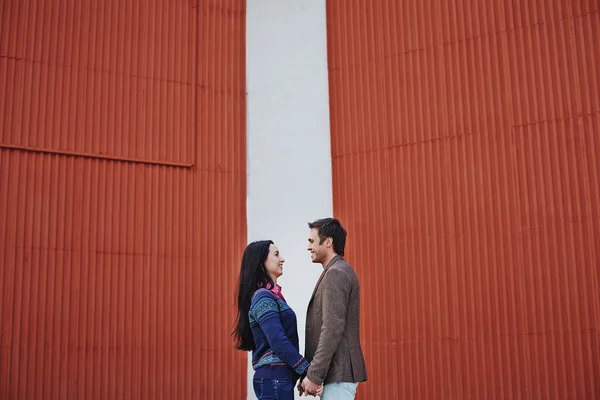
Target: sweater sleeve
pixel 265 311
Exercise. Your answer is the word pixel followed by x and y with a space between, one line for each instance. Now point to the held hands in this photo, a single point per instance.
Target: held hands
pixel 306 387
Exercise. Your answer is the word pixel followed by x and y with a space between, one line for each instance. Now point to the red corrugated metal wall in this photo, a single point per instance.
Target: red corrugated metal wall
pixel 466 151
pixel 122 198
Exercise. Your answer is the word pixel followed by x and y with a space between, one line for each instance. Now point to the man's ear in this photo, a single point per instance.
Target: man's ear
pixel 329 242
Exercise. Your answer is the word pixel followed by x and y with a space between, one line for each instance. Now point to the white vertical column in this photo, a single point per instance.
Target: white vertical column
pixel 288 143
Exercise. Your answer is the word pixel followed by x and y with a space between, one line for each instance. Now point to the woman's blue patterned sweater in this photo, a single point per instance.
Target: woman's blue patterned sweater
pixel 273 324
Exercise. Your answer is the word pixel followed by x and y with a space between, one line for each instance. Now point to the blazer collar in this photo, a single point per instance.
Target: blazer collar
pixel 333 260
pixel 329 264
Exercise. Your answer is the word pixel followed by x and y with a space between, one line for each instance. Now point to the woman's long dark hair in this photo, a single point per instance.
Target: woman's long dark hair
pixel 253 275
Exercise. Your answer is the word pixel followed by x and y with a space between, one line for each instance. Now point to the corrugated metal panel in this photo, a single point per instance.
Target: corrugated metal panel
pixel 122 198
pixel 82 67
pixel 466 166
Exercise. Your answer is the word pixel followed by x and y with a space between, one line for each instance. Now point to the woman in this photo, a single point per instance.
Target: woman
pixel 266 325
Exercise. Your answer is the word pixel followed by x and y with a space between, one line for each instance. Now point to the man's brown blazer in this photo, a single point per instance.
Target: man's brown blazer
pixel 332 327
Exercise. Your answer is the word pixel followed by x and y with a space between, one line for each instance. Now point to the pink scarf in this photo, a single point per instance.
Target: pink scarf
pixel 276 290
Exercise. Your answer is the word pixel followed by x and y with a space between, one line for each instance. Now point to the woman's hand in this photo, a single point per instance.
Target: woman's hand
pixel 320 391
pixel 300 388
pixel 308 388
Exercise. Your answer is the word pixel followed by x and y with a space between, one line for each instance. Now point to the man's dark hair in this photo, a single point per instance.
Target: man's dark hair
pixel 331 227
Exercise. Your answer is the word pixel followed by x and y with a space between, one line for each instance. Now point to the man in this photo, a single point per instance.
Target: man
pixel 332 320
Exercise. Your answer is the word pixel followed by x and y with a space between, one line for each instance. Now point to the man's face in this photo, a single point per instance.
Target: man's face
pixel 318 251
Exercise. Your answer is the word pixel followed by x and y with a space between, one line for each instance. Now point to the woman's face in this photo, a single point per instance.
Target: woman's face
pixel 274 263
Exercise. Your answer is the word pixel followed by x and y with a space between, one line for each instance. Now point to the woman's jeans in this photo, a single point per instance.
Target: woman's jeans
pixel 274 388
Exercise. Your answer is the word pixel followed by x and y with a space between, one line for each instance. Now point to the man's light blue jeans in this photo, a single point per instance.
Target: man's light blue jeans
pixel 339 391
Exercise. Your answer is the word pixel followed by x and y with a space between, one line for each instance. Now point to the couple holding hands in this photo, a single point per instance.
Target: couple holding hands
pixel 333 364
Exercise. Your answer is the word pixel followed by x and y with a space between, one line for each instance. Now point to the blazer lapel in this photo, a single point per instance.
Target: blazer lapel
pixel 333 260
pixel 316 286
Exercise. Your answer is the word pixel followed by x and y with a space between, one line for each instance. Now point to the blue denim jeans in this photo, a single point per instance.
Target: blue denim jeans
pixel 339 391
pixel 274 388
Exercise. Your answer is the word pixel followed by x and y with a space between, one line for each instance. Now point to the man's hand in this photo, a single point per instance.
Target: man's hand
pixel 311 388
